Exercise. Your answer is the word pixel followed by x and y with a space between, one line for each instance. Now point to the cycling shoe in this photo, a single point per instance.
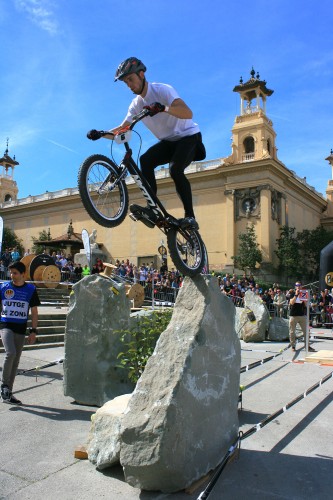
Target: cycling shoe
pixel 188 223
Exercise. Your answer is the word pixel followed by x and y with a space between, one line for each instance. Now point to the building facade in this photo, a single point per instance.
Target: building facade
pixel 250 186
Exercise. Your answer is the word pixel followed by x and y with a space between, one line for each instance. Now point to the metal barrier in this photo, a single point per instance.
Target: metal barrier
pixel 4 273
pixel 160 293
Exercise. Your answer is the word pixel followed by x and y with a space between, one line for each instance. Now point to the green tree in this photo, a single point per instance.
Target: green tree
pixel 37 247
pixel 10 240
pixel 249 254
pixel 139 342
pixel 311 243
pixel 288 252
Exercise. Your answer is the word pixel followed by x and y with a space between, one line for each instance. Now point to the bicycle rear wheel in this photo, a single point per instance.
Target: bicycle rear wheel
pixel 187 250
pixel 104 197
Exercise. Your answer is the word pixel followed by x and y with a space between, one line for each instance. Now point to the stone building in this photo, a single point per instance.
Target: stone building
pixel 250 186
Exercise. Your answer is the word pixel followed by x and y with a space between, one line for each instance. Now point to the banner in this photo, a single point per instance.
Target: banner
pixel 86 245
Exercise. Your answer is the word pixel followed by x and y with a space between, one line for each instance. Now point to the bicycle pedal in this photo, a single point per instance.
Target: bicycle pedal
pixel 133 217
pixel 145 221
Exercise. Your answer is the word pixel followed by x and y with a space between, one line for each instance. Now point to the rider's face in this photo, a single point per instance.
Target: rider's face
pixel 134 82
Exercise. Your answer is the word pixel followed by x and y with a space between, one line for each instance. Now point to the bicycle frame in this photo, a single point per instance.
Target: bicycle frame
pixel 130 166
pixel 141 182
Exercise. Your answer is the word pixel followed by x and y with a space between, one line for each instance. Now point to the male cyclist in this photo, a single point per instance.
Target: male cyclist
pixel 180 140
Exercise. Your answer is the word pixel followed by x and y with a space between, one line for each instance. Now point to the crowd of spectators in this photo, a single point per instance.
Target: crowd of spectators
pixel 148 275
pixel 165 280
pixel 277 299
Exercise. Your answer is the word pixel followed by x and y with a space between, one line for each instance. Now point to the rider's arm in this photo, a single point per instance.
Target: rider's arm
pixel 113 131
pixel 179 109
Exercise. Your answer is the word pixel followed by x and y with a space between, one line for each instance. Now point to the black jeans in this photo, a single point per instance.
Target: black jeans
pixel 179 154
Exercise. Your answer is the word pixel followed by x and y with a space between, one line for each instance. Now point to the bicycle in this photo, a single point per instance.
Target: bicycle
pixel 104 195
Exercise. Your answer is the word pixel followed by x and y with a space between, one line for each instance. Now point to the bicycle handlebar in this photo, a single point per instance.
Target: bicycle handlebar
pixel 136 119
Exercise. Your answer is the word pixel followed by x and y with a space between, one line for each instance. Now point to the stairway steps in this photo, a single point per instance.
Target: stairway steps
pixel 50 324
pixel 42 345
pixel 45 345
pixel 49 330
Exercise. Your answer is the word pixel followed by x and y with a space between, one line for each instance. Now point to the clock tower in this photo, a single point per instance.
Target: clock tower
pixel 253 136
pixel 8 187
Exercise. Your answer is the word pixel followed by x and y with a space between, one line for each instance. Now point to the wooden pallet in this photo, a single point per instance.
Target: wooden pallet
pixel 322 357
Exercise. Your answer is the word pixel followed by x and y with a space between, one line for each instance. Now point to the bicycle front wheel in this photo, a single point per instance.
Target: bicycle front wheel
pixel 187 250
pixel 103 195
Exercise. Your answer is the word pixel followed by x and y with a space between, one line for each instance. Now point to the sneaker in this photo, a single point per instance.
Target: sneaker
pixel 13 401
pixel 188 223
pixel 293 348
pixel 5 393
pixel 8 398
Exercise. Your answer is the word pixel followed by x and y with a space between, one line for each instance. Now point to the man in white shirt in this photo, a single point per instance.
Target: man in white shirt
pixel 170 120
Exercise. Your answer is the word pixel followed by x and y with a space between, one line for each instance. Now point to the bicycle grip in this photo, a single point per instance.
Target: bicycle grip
pixel 94 135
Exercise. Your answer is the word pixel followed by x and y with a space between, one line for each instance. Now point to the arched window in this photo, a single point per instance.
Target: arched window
pixel 8 197
pixel 269 146
pixel 248 145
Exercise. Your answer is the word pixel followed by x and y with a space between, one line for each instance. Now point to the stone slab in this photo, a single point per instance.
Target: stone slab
pixel 98 312
pixel 104 438
pixel 182 415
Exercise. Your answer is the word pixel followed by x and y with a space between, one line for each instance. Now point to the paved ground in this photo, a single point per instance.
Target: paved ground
pixel 290 458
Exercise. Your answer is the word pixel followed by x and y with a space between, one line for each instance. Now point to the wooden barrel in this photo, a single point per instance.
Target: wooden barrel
pixel 42 259
pixel 51 276
pixel 27 259
pixel 38 276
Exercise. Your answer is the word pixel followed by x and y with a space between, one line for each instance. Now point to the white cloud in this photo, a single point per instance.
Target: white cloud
pixel 40 13
pixel 62 146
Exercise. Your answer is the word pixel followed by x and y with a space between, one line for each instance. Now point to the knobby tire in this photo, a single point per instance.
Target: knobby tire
pixel 187 251
pixel 108 207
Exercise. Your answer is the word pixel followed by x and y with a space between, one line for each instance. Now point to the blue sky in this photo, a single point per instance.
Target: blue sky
pixel 59 57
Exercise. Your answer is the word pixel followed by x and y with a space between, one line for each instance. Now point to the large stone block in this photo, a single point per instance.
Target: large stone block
pixel 253 331
pixel 98 307
pixel 182 417
pixel 278 329
pixel 104 438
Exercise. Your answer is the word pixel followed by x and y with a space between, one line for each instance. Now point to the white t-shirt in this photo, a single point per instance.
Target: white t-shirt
pixel 162 125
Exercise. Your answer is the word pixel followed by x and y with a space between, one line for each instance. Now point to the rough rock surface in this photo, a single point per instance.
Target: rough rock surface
pixel 104 439
pixel 240 318
pixel 98 308
pixel 182 416
pixel 253 331
pixel 278 329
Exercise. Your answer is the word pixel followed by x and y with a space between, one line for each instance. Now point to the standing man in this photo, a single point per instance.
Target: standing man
pixel 15 255
pixel 279 302
pixel 297 315
pixel 16 297
pixel 180 140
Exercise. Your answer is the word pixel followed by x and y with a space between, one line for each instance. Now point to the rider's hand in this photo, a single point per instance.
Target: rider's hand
pixel 94 135
pixel 154 108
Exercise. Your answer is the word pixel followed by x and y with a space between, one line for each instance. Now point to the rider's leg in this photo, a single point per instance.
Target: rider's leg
pixel 184 153
pixel 157 155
